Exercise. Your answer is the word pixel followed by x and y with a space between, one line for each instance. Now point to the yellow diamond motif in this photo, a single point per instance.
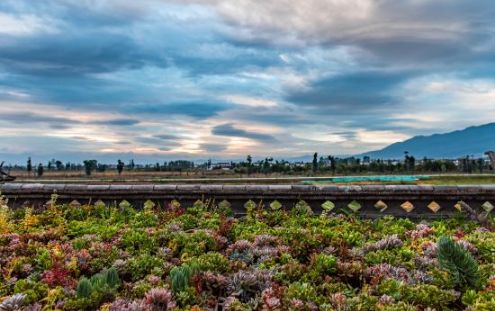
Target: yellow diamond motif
pixel 487 206
pixel 434 206
pixel 458 206
pixel 407 206
pixel 382 206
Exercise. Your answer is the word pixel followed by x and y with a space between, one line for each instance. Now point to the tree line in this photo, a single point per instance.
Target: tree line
pixel 319 165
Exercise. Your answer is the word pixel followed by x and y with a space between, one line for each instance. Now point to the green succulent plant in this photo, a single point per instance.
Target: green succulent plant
pixel 461 265
pixel 84 288
pixel 112 277
pixel 180 277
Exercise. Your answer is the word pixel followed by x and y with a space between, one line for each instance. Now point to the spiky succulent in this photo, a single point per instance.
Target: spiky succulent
pixel 266 240
pixel 13 303
pixel 241 250
pixel 112 277
pixel 181 277
pixel 158 299
pixel 84 288
pixel 421 231
pixel 386 271
pixel 458 262
pixel 246 283
pixel 121 304
pixel 389 242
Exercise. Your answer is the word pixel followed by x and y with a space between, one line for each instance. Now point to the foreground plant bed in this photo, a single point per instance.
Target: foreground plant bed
pixel 117 258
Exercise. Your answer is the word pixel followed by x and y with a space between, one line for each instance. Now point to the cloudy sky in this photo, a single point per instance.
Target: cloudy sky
pixel 169 79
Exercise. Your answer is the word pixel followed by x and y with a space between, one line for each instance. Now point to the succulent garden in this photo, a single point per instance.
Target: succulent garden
pixel 100 257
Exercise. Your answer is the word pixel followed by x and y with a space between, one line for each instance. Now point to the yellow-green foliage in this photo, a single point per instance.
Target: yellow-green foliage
pixel 5 226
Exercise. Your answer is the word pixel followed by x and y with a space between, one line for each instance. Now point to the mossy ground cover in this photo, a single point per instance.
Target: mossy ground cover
pixel 100 257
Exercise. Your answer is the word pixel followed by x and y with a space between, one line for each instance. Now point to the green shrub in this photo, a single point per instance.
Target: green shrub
pixel 303 292
pixel 462 267
pixel 43 260
pixel 142 265
pixel 134 240
pixel 197 243
pixel 324 264
pixel 34 291
pixel 187 297
pixel 144 219
pixel 211 261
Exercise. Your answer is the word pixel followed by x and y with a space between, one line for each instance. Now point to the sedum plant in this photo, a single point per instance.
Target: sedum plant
pixel 323 264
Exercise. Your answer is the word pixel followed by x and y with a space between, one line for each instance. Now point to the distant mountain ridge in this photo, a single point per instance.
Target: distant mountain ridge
pixel 474 140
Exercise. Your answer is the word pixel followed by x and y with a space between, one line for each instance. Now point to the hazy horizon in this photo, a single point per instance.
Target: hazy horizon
pixel 200 79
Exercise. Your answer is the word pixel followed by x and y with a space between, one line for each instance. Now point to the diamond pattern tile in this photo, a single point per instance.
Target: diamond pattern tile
pixel 488 207
pixel 434 206
pixel 380 205
pixel 354 206
pixel 275 205
pixel 328 206
pixel 407 206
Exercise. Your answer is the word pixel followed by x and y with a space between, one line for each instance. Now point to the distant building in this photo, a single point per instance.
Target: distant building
pixel 222 166
pixel 366 160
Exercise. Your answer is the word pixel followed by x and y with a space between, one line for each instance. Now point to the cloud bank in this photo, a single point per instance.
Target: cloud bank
pixel 164 79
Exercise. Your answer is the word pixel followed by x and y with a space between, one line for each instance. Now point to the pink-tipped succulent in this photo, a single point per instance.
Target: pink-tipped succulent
pixel 158 299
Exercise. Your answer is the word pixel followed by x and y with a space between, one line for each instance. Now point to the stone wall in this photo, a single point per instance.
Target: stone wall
pixel 369 201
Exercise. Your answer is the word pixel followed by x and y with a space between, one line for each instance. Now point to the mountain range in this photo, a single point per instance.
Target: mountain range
pixel 472 141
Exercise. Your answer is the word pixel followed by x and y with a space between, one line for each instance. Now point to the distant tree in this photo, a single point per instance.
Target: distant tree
pixel 89 166
pixel 101 167
pixel 412 163
pixel 132 165
pixel 315 162
pixel 267 165
pixel 49 165
pixel 480 165
pixel 409 161
pixel 333 165
pixel 249 160
pixel 59 165
pixel 40 170
pixel 29 166
pixel 120 167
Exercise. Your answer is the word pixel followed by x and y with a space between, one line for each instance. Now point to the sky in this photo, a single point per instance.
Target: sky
pixel 196 79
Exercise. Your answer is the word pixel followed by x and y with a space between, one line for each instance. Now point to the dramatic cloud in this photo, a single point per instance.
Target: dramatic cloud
pixel 353 93
pixel 168 79
pixel 231 131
